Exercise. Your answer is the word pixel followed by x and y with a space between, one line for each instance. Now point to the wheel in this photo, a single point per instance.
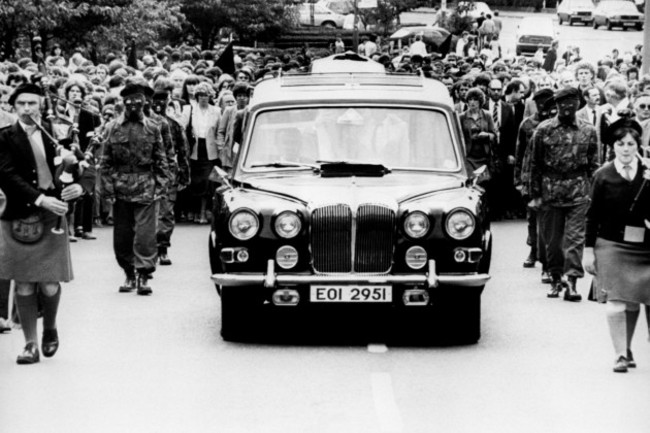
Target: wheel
pixel 518 50
pixel 240 309
pixel 639 27
pixel 570 22
pixel 559 19
pixel 328 25
pixel 609 25
pixel 594 24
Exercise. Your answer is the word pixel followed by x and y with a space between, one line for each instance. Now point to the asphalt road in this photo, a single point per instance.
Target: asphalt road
pixel 137 365
pixel 594 44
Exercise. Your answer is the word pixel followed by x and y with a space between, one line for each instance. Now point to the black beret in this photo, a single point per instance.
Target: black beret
pixel 567 92
pixel 625 121
pixel 25 88
pixel 160 95
pixel 135 89
pixel 543 95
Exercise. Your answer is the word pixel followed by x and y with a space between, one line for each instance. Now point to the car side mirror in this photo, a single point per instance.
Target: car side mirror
pixel 219 175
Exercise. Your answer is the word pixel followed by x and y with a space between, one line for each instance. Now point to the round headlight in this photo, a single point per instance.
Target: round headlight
pixel 286 257
pixel 416 257
pixel 416 224
pixel 244 224
pixel 288 225
pixel 460 224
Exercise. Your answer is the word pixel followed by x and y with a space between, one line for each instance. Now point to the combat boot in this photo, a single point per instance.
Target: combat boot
pixel 571 293
pixel 531 259
pixel 163 258
pixel 141 284
pixel 129 283
pixel 557 285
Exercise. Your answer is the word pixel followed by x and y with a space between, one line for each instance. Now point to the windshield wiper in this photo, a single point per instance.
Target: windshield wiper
pixel 286 164
pixel 348 168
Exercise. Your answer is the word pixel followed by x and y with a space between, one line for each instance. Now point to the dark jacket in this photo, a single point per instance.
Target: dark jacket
pixel 18 177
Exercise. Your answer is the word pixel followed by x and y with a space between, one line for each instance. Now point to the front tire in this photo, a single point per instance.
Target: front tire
pixel 609 25
pixel 594 24
pixel 239 313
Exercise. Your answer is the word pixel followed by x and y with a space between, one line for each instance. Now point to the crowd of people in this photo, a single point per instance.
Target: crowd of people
pixel 143 133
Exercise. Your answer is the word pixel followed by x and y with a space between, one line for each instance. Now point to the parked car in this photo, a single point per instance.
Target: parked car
pixel 479 7
pixel 617 13
pixel 350 191
pixel 533 32
pixel 575 11
pixel 322 16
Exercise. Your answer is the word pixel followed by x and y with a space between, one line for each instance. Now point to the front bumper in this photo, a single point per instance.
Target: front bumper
pixel 271 280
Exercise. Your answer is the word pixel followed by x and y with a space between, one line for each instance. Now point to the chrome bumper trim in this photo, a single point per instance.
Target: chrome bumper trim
pixel 271 280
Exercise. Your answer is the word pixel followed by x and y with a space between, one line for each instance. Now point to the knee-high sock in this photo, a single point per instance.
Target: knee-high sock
pixel 616 319
pixel 27 307
pixel 50 309
pixel 631 317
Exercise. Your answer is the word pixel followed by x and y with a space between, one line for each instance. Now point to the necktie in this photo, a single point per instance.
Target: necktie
pixel 495 115
pixel 42 169
pixel 594 114
pixel 626 172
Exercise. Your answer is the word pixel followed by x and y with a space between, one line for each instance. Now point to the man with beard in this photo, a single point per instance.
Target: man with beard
pixel 134 173
pixel 545 109
pixel 178 169
pixel 564 157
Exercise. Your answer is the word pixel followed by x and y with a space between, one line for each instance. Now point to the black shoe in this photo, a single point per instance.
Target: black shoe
pixel 530 260
pixel 87 236
pixel 631 363
pixel 129 285
pixel 164 259
pixel 50 342
pixel 571 294
pixel 621 365
pixel 141 285
pixel 30 355
pixel 546 278
pixel 557 285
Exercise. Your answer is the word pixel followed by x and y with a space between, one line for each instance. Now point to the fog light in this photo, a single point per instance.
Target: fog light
pixel 416 257
pixel 286 297
pixel 286 257
pixel 242 255
pixel 460 255
pixel 415 297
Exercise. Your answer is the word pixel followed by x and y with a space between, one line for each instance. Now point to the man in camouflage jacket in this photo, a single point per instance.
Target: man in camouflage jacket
pixel 564 157
pixel 134 173
pixel 179 170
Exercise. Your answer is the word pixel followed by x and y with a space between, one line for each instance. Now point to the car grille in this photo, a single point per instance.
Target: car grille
pixel 332 236
pixel 628 17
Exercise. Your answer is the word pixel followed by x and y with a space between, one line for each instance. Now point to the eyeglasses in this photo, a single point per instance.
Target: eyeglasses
pixel 198 95
pixel 496 88
pixel 644 106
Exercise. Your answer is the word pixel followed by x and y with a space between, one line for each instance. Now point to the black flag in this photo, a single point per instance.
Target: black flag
pixel 445 46
pixel 226 62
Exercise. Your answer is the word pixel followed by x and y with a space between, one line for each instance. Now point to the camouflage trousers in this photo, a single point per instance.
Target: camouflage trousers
pixel 166 218
pixel 563 230
pixel 134 236
pixel 535 238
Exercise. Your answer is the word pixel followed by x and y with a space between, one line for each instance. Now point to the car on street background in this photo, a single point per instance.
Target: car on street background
pixel 479 7
pixel 533 32
pixel 617 13
pixel 322 16
pixel 350 193
pixel 575 11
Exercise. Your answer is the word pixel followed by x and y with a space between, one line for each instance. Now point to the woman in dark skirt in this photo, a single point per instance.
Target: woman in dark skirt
pixel 617 249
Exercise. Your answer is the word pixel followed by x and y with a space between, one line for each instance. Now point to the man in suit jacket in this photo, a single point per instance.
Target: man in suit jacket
pixel 592 112
pixel 31 254
pixel 503 116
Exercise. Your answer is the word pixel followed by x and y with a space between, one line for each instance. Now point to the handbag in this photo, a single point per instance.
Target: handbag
pixel 28 230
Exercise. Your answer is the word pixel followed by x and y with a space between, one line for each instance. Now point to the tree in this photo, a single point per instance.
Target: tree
pixel 386 15
pixel 250 20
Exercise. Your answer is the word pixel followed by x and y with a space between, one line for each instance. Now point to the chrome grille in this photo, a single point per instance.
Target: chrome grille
pixel 374 239
pixel 331 238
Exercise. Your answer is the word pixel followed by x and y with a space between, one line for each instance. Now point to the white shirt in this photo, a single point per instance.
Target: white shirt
pixel 202 120
pixel 634 166
pixel 418 47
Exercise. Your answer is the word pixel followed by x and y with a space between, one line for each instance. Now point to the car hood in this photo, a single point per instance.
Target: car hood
pixel 391 189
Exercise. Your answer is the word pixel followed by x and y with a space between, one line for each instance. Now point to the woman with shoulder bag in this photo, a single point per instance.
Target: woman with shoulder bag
pixel 617 248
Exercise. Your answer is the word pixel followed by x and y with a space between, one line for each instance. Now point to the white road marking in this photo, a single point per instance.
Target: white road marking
pixel 390 420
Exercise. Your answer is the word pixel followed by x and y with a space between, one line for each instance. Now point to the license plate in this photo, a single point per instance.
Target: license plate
pixel 629 24
pixel 363 293
pixel 586 19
